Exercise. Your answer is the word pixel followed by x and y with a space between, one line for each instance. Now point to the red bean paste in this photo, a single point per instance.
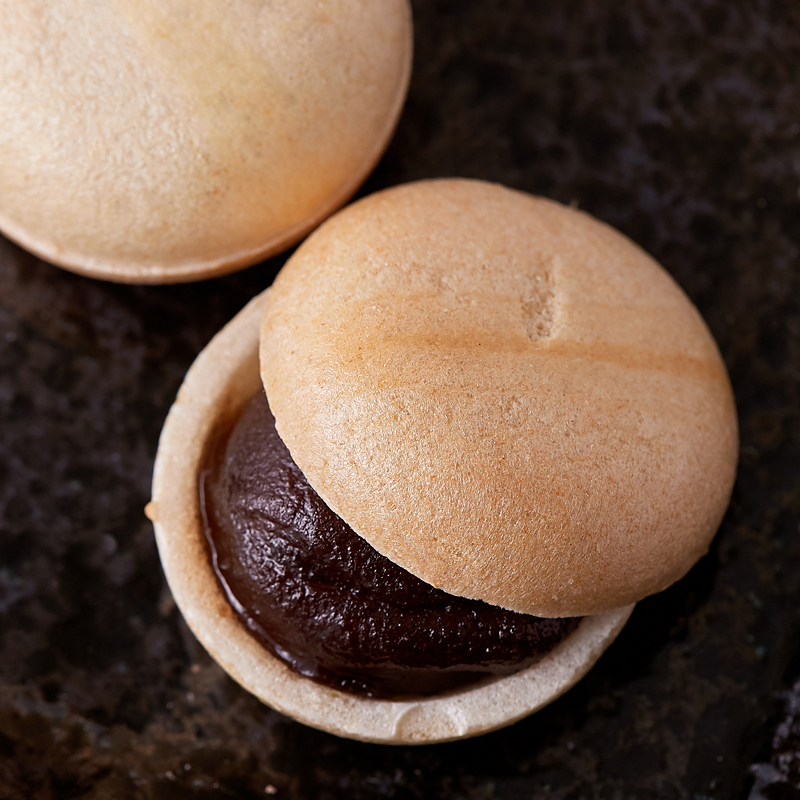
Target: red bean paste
pixel 324 601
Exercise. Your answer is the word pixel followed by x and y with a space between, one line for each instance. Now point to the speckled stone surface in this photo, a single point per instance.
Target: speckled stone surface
pixel 676 121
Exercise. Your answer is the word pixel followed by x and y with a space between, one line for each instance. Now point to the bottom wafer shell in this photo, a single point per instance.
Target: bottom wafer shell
pixel 224 376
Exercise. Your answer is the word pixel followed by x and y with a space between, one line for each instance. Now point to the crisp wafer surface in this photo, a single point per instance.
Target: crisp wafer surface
pixel 503 395
pixel 169 140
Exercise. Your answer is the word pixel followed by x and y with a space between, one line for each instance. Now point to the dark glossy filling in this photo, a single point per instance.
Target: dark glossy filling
pixel 324 601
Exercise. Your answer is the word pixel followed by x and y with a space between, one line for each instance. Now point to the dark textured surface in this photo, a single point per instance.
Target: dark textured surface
pixel 676 121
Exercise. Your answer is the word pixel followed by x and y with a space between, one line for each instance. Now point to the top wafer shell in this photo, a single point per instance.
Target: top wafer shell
pixel 502 395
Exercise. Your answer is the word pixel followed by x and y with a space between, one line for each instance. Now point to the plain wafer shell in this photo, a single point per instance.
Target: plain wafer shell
pixel 502 395
pixel 171 140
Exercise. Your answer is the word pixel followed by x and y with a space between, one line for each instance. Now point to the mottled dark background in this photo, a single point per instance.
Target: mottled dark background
pixel 677 121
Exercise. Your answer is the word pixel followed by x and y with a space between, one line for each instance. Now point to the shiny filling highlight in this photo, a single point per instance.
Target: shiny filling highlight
pixel 325 602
